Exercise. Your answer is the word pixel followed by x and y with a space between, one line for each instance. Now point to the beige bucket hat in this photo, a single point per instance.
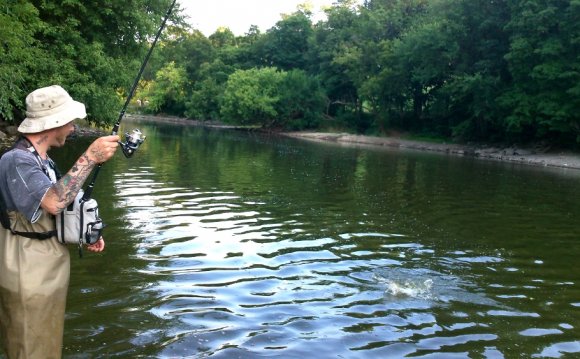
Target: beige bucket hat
pixel 50 107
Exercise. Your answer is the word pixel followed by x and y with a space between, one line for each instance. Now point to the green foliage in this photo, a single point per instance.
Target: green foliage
pixel 332 39
pixel 251 96
pixel 466 104
pixel 188 50
pixel 474 70
pixel 18 53
pixel 92 49
pixel 302 101
pixel 203 103
pixel 268 97
pixel 543 101
pixel 285 45
pixel 167 93
pixel 223 37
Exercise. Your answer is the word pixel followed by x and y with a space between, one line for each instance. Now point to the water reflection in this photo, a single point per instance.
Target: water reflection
pixel 246 246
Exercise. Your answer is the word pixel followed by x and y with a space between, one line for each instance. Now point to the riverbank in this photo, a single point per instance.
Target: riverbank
pixel 511 154
pixel 561 159
pixel 506 154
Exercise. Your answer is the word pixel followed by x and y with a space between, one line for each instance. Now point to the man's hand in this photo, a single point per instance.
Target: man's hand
pixel 103 148
pixel 98 246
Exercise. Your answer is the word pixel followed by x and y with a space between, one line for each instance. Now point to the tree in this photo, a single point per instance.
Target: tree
pixel 358 44
pixel 222 37
pixel 286 44
pixel 543 99
pixel 93 49
pixel 302 101
pixel 251 97
pixel 204 101
pixel 167 92
pixel 466 105
pixel 18 55
pixel 190 50
pixel 335 36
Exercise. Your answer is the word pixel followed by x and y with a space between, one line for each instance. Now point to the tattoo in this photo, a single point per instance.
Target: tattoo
pixel 66 189
pixel 99 155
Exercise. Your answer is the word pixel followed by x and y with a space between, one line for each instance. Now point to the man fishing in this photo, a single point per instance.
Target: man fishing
pixel 34 266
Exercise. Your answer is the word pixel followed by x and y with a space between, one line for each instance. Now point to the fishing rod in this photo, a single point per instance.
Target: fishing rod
pixel 134 139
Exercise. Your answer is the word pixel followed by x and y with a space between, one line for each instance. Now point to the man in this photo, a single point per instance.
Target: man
pixel 34 271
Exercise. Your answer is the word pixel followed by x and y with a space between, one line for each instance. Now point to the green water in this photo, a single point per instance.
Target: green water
pixel 228 244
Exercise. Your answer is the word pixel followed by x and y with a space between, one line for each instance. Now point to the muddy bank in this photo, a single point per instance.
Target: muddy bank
pixel 512 154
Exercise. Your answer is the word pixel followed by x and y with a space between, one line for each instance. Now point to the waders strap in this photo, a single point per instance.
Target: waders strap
pixel 34 235
pixel 5 220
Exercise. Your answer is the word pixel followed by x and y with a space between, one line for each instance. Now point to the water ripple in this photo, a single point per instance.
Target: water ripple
pixel 241 282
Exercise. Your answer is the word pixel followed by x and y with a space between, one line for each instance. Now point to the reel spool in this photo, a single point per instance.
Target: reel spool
pixel 132 142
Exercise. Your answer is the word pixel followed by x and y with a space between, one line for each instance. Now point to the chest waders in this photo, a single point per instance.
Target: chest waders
pixel 34 278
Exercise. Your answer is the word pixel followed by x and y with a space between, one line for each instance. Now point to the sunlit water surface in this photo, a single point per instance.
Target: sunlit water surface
pixel 228 244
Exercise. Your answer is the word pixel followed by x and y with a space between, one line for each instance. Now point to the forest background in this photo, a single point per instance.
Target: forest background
pixel 482 71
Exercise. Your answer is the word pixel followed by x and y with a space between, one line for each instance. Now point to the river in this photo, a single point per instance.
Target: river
pixel 230 244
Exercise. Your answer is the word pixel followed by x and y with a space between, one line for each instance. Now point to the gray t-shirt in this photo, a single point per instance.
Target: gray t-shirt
pixel 24 182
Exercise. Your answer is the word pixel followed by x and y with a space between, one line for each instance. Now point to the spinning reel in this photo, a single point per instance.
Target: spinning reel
pixel 132 142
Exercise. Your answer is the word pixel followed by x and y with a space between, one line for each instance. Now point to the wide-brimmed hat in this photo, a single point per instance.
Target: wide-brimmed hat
pixel 50 107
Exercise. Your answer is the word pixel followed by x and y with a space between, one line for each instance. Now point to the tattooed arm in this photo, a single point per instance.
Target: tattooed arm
pixel 62 193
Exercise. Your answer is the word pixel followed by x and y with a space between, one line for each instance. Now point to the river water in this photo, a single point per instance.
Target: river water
pixel 228 244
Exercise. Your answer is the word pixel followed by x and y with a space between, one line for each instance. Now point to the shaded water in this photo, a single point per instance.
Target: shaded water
pixel 226 244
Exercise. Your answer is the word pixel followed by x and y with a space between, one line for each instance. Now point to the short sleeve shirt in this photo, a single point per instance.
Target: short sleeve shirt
pixel 24 181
